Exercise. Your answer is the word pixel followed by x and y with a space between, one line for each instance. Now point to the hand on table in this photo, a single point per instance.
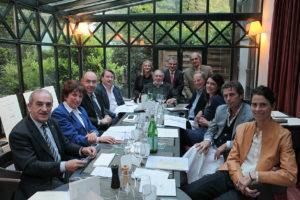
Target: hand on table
pixel 73 165
pixel 107 139
pixel 91 137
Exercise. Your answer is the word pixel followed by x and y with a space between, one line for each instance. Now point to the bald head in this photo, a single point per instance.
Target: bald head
pixel 89 81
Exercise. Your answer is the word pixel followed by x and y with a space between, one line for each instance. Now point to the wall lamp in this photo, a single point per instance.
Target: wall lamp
pixel 253 31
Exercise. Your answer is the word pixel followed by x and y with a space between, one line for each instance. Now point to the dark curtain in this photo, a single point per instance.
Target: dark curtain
pixel 284 72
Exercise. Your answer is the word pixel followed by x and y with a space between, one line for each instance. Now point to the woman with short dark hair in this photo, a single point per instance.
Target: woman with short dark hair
pixel 73 119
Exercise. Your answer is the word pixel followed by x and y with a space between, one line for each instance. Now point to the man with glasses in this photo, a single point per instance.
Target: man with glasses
pixel 174 77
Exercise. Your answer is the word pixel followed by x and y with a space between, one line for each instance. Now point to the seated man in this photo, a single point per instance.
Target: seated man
pixel 198 100
pixel 160 87
pixel 175 77
pixel 258 147
pixel 110 93
pixel 92 102
pixel 220 133
pixel 39 148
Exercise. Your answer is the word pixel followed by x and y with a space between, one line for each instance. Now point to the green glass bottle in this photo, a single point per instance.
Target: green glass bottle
pixel 152 136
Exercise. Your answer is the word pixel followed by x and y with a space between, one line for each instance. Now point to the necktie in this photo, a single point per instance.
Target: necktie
pixel 172 74
pixel 48 141
pixel 96 107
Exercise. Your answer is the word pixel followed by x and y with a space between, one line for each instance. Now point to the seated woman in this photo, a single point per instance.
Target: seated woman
pixel 214 99
pixel 143 79
pixel 73 119
pixel 258 147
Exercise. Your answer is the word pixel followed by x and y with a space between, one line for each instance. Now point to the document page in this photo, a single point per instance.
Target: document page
pixel 119 132
pixel 126 108
pixel 175 121
pixel 168 163
pixel 50 195
pixel 167 132
pixel 104 160
pixel 102 171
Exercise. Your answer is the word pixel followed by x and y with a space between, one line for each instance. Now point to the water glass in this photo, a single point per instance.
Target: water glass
pixel 149 192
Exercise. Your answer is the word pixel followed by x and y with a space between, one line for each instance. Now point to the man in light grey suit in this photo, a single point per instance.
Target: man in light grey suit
pixel 220 133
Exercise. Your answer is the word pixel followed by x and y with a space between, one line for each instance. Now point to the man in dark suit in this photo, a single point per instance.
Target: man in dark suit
pixel 198 100
pixel 111 94
pixel 174 77
pixel 92 102
pixel 160 87
pixel 39 148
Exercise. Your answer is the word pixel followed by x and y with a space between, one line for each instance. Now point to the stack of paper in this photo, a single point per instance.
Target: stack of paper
pixel 175 121
pixel 104 160
pixel 119 132
pixel 126 108
pixel 168 163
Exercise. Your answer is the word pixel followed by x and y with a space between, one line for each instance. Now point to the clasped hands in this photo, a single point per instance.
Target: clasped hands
pixel 243 185
pixel 201 120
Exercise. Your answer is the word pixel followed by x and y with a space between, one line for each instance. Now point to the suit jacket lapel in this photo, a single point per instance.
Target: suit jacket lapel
pixel 38 136
pixel 55 137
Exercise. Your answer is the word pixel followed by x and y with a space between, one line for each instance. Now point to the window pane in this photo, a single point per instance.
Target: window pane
pixel 30 67
pixel 63 68
pixel 144 8
pixel 137 56
pixel 167 32
pixel 221 6
pixel 220 60
pixel 113 37
pixel 240 35
pixel 117 60
pixel 74 63
pixel 167 6
pixel 92 59
pixel 194 6
pixel 219 33
pixel 138 37
pixel 49 66
pixel 248 6
pixel 196 38
pixel 9 81
pixel 46 34
pixel 29 16
pixel 4 33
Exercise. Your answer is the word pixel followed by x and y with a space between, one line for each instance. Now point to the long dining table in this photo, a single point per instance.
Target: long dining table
pixel 171 149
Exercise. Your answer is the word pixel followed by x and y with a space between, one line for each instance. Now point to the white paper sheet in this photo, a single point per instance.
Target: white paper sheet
pixel 277 114
pixel 102 171
pixel 292 121
pixel 10 113
pixel 119 132
pixel 130 118
pixel 104 160
pixel 168 163
pixel 167 132
pixel 50 195
pixel 175 121
pixel 126 108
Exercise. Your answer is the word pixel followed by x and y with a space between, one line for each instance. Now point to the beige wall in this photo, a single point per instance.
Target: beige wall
pixel 265 42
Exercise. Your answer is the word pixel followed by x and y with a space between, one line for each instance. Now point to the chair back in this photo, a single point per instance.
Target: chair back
pixel 8 187
pixel 6 159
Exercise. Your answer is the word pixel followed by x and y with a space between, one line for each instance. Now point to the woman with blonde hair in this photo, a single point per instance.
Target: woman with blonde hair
pixel 144 78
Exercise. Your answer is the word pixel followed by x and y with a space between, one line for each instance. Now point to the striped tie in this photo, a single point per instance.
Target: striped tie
pixel 48 141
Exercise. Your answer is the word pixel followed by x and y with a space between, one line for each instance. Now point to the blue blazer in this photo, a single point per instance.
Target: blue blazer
pixel 72 127
pixel 117 93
